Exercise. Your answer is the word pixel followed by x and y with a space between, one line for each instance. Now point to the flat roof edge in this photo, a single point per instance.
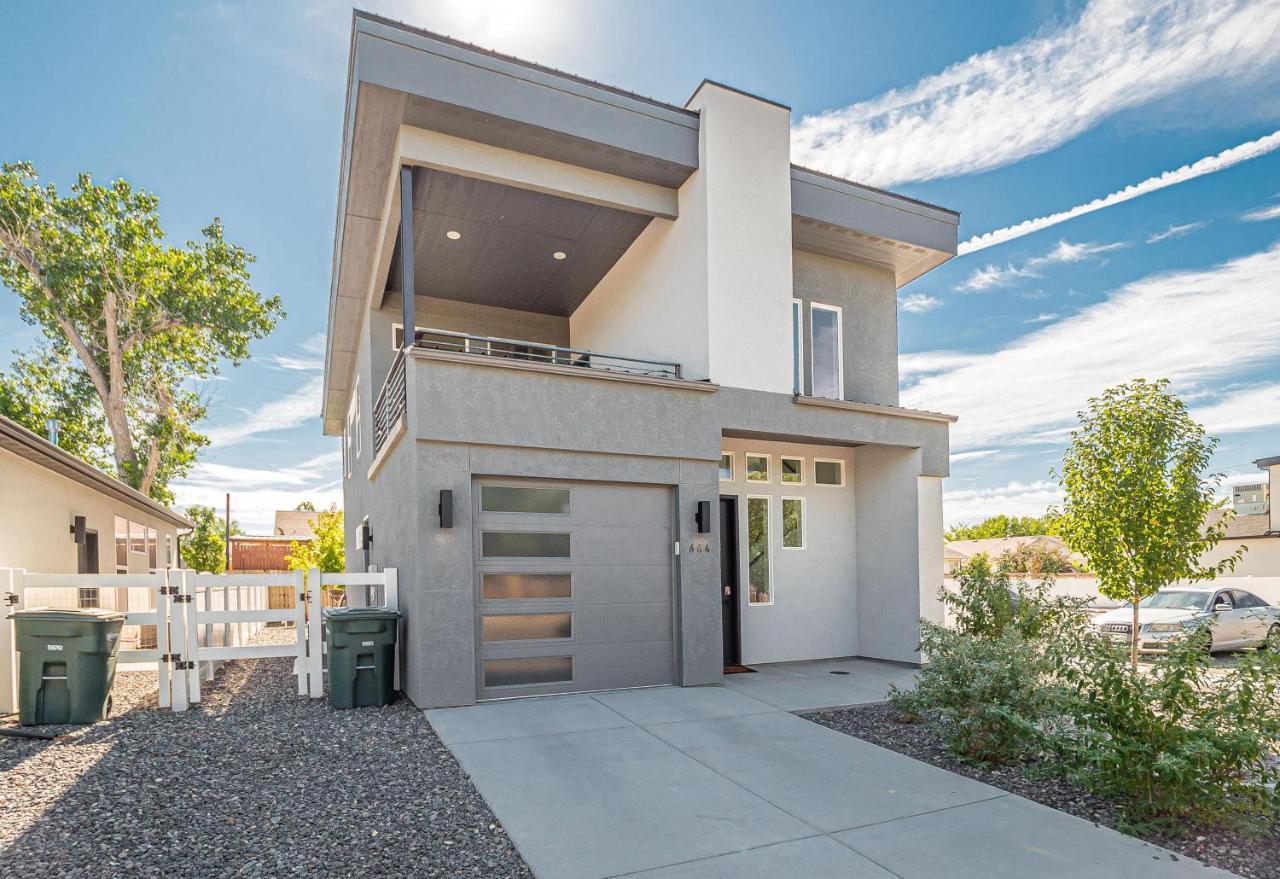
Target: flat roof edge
pixel 800 171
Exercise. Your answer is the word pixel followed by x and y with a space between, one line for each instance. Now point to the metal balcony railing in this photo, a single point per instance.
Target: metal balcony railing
pixel 537 352
pixel 390 404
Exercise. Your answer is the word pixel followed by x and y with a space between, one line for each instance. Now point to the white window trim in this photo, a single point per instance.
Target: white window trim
pixel 841 463
pixel 839 312
pixel 352 434
pixel 782 473
pixel 746 530
pixel 804 524
pixel 797 342
pixel 733 466
pixel 768 467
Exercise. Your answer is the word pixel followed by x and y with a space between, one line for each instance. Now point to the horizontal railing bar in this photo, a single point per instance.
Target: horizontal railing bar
pixel 138 656
pixel 527 344
pixel 251 651
pixel 353 579
pixel 89 581
pixel 280 579
pixel 245 616
pixel 144 618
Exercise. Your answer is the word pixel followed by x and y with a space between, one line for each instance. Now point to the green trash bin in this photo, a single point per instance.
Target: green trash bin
pixel 66 664
pixel 362 655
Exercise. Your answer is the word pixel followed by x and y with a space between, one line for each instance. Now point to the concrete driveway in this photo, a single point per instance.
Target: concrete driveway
pixel 726 782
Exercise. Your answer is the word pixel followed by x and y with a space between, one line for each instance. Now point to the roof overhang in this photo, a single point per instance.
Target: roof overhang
pixel 17 439
pixel 404 81
pixel 846 220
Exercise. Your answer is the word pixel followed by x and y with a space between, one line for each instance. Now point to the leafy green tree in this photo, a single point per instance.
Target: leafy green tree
pixel 144 319
pixel 1135 498
pixel 326 551
pixel 305 507
pixel 1006 526
pixel 205 548
pixel 47 385
pixel 1034 558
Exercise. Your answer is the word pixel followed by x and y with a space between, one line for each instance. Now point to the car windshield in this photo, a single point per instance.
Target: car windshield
pixel 1176 600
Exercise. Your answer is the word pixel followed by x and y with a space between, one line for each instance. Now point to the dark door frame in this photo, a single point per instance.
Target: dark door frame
pixel 730 613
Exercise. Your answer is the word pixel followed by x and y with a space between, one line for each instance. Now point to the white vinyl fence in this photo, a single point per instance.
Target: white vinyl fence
pixel 186 624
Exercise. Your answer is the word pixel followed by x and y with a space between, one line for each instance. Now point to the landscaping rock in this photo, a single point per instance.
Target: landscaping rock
pixel 255 781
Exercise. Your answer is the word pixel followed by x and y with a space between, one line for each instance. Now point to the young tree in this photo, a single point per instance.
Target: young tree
pixel 1135 498
pixel 144 319
pixel 205 548
pixel 326 551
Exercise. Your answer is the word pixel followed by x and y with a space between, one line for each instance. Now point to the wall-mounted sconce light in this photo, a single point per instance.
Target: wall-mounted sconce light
pixel 703 517
pixel 446 508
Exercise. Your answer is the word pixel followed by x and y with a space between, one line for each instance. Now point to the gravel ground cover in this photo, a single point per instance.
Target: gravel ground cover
pixel 256 781
pixel 1255 858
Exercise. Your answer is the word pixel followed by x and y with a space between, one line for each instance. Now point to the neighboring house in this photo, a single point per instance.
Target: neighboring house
pixel 959 552
pixel 298 524
pixel 647 423
pixel 1255 526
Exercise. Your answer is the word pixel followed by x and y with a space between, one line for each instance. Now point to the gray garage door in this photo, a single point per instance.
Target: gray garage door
pixel 573 587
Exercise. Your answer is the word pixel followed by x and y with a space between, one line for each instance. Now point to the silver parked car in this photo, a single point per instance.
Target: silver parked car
pixel 1236 618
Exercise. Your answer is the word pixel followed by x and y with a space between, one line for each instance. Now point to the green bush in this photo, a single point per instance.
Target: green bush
pixel 1173 742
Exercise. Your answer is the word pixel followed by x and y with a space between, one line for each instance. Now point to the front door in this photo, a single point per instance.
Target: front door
pixel 729 580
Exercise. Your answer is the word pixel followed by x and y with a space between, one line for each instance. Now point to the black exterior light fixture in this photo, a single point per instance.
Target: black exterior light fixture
pixel 703 517
pixel 446 508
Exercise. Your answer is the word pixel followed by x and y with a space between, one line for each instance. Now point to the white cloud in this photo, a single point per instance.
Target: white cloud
pixel 1043 318
pixel 1195 328
pixel 918 303
pixel 1029 97
pixel 1246 409
pixel 964 506
pixel 1176 231
pixel 256 493
pixel 311 358
pixel 1208 165
pixel 1270 212
pixel 992 276
pixel 292 410
pixel 974 455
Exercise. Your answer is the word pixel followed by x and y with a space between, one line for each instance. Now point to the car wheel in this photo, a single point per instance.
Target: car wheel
pixel 1273 638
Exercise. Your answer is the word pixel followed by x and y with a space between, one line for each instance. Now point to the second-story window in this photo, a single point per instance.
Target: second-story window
pixel 827 361
pixel 797 346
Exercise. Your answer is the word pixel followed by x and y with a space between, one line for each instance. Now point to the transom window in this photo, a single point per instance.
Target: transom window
pixel 792 470
pixel 726 466
pixel 828 472
pixel 757 468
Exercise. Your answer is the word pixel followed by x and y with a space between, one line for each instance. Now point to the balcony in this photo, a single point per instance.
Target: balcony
pixel 391 402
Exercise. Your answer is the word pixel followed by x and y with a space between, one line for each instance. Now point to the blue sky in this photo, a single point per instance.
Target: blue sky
pixel 1007 112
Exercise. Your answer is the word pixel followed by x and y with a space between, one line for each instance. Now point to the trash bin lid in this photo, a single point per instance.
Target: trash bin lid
pixel 94 614
pixel 361 613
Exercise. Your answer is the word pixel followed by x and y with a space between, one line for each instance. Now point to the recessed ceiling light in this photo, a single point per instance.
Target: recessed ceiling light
pixel 453 235
pixel 559 254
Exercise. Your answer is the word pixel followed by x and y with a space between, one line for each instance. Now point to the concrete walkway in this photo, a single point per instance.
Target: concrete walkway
pixel 725 782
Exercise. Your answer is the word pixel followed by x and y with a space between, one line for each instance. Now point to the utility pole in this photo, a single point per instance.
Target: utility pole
pixel 226 524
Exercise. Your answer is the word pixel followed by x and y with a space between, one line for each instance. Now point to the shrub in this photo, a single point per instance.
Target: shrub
pixel 1173 743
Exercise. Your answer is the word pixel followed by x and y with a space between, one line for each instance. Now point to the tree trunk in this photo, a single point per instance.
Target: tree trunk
pixel 1133 636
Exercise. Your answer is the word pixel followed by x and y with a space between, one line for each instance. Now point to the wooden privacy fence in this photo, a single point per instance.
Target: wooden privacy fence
pixel 198 620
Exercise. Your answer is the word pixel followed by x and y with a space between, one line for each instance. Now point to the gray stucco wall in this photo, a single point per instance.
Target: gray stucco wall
pixel 469 419
pixel 868 298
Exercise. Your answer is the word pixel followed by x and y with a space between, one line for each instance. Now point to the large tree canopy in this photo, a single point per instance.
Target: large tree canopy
pixel 1001 525
pixel 144 320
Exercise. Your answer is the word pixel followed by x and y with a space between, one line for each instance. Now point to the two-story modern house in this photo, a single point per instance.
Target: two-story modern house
pixel 645 422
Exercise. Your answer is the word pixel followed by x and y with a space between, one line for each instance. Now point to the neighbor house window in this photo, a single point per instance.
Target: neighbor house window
pixel 152 539
pixel 726 467
pixel 168 551
pixel 792 470
pixel 122 545
pixel 758 561
pixel 137 538
pixel 828 359
pixel 757 468
pixel 797 346
pixel 792 523
pixel 828 472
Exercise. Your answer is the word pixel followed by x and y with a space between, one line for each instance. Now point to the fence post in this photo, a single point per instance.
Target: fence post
pixel 391 598
pixel 164 609
pixel 11 586
pixel 178 643
pixel 315 634
pixel 300 630
pixel 191 613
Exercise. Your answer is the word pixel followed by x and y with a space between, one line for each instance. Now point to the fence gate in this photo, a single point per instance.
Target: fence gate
pixel 189 623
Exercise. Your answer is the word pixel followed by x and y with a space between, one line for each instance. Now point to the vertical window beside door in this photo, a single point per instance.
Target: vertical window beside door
pixel 828 358
pixel 758 561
